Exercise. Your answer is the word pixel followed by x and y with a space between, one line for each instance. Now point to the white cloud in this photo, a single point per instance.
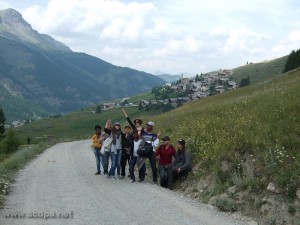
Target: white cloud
pixel 170 36
pixel 289 43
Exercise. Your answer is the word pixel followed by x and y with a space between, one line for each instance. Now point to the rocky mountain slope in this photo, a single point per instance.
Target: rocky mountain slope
pixel 41 76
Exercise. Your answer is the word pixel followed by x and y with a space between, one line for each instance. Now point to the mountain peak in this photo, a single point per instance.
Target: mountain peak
pixel 12 17
pixel 14 27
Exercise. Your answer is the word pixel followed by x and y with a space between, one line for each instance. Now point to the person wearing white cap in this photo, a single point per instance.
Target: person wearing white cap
pixel 150 137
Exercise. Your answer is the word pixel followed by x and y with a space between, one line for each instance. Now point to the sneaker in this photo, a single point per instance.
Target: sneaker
pixel 132 181
pixel 155 183
pixel 141 181
pixel 98 173
pixel 113 178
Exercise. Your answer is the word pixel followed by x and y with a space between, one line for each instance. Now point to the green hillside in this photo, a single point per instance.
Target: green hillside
pixel 248 120
pixel 259 72
pixel 255 131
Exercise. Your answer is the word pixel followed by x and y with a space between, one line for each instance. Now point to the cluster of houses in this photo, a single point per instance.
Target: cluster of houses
pixel 197 87
pixel 14 124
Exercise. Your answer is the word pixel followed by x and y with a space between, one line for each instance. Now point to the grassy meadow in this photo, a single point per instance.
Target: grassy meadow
pixel 257 126
pixel 260 72
pixel 255 129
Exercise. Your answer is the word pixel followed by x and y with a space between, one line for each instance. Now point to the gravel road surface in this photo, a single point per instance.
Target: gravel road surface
pixel 59 187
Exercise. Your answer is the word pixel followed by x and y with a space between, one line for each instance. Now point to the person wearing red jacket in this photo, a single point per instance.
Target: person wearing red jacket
pixel 164 154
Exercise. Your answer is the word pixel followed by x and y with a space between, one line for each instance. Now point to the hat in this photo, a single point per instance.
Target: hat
pixel 117 123
pixel 182 142
pixel 166 138
pixel 127 126
pixel 139 120
pixel 97 127
pixel 150 123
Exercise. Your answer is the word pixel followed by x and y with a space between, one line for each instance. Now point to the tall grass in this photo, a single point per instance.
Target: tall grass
pixel 9 166
pixel 250 120
pixel 254 120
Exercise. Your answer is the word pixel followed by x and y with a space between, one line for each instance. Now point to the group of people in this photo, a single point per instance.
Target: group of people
pixel 129 147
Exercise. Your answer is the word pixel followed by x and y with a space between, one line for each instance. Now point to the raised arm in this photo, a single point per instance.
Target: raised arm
pixel 128 120
pixel 107 128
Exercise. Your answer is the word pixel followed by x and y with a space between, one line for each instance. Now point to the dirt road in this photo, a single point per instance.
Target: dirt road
pixel 59 187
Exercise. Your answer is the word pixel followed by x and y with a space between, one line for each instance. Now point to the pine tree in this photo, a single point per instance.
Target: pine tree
pixel 2 124
pixel 293 61
pixel 98 108
pixel 11 142
pixel 245 82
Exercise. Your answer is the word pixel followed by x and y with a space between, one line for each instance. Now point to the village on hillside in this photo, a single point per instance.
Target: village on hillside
pixel 197 87
pixel 189 89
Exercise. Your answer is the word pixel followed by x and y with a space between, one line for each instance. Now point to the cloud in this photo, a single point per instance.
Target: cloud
pixel 289 43
pixel 197 36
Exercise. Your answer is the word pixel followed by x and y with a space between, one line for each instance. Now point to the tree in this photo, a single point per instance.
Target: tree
pixel 141 106
pixel 2 124
pixel 245 82
pixel 98 108
pixel 11 142
pixel 167 107
pixel 212 90
pixel 293 61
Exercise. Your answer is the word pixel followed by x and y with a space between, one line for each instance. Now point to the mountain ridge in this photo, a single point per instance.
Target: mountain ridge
pixel 54 79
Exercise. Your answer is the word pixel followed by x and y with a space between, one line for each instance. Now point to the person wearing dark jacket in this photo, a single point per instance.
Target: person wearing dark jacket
pixel 181 165
pixel 146 134
pixel 125 158
pixel 135 144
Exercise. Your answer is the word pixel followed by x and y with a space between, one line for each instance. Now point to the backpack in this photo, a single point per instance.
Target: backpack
pixel 145 149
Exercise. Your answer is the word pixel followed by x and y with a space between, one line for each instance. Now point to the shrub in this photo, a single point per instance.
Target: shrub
pixel 226 205
pixel 11 143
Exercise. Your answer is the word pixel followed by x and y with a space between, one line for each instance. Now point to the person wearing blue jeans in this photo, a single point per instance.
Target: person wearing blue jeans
pixel 135 144
pixel 97 144
pixel 113 164
pixel 118 155
pixel 105 162
pixel 116 149
pixel 142 170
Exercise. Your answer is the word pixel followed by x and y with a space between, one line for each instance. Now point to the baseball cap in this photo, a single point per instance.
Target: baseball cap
pixel 150 123
pixel 181 141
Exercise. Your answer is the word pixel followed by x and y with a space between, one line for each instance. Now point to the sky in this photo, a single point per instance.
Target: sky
pixel 169 36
